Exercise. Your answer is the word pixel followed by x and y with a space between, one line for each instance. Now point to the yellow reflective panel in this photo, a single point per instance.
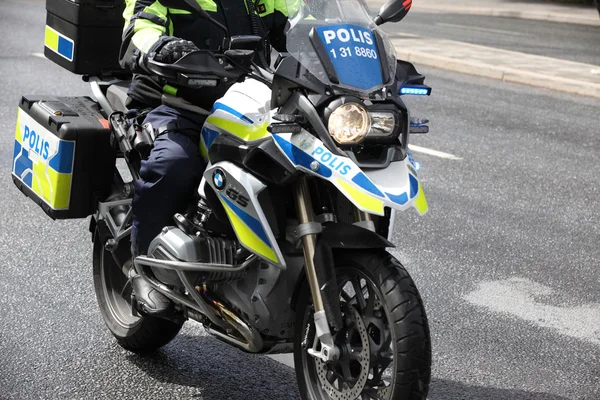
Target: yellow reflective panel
pixel 248 237
pixel 421 201
pixel 244 132
pixel 366 201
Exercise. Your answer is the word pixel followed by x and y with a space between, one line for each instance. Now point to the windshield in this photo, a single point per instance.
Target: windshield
pixel 338 42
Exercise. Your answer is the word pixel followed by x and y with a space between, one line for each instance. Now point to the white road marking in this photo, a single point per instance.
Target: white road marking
pixel 40 55
pixel 285 359
pixel 521 298
pixel 431 152
pixel 476 28
pixel 595 71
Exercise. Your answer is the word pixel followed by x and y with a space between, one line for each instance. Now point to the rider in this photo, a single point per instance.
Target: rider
pixel 172 171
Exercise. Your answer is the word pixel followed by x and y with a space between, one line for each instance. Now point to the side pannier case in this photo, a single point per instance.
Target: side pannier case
pixel 63 159
pixel 84 36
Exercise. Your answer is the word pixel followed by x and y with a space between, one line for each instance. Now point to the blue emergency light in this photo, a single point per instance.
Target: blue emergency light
pixel 416 90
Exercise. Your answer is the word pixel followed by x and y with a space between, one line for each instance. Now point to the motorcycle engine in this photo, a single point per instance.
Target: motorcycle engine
pixel 190 240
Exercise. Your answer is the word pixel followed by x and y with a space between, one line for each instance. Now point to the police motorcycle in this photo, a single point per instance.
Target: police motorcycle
pixel 284 247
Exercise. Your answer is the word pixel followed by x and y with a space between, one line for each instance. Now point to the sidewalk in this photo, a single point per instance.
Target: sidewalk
pixel 545 10
pixel 509 66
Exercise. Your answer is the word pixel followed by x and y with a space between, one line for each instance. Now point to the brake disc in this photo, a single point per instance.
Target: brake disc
pixel 346 392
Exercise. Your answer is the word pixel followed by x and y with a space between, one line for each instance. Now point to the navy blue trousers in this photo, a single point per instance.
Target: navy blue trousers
pixel 169 176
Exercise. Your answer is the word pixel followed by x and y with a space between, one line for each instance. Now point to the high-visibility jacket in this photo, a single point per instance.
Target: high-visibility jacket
pixel 149 21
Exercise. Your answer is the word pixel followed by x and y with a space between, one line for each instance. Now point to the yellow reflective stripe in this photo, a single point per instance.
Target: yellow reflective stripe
pixel 18 133
pixel 51 39
pixel 244 132
pixel 365 201
pixel 208 5
pixel 421 201
pixel 157 9
pixel 147 32
pixel 145 38
pixel 52 186
pixel 175 11
pixel 282 6
pixel 248 237
pixel 128 12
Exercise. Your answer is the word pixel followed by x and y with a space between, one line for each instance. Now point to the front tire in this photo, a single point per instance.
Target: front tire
pixel 113 293
pixel 399 353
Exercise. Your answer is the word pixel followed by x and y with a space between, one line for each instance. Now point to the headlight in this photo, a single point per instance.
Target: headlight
pixel 383 124
pixel 349 123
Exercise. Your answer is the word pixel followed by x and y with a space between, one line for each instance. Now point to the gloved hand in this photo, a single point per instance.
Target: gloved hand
pixel 174 49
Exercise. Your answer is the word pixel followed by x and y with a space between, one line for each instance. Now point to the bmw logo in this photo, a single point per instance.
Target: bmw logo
pixel 219 179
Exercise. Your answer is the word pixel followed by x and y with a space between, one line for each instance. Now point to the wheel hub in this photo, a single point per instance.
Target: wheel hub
pixel 346 378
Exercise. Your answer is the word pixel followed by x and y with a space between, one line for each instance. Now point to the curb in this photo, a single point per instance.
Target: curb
pixel 492 12
pixel 503 73
pixel 553 16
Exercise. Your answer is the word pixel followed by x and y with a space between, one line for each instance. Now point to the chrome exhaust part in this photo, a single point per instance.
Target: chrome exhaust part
pixel 222 319
pixel 253 340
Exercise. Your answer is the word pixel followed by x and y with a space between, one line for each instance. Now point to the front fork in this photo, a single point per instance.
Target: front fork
pixel 308 230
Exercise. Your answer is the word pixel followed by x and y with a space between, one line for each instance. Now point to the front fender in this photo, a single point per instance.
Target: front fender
pixel 340 236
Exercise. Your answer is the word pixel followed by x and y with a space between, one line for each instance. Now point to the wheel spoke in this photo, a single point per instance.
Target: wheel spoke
pixel 347 298
pixel 370 306
pixel 332 377
pixel 388 339
pixel 381 365
pixel 360 296
pixel 126 290
pixel 346 371
pixel 355 353
pixel 370 394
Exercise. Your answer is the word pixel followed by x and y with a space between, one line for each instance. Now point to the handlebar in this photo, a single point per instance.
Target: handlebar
pixel 203 68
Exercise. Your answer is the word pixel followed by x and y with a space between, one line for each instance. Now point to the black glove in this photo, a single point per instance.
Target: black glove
pixel 174 49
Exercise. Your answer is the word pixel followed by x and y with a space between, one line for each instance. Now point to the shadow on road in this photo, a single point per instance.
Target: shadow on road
pixel 219 371
pixel 451 390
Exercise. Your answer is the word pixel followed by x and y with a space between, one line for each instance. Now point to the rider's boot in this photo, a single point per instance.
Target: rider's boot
pixel 146 299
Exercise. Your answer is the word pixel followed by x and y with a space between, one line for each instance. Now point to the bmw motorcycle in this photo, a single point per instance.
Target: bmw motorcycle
pixel 283 248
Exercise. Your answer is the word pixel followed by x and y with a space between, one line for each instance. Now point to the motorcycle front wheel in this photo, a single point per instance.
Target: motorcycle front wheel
pixel 113 292
pixel 385 341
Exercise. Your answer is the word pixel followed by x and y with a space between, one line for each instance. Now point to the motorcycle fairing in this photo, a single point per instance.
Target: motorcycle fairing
pixel 238 192
pixel 396 186
pixel 248 121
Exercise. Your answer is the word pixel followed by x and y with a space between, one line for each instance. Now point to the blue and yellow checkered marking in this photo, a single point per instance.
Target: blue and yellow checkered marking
pixel 47 175
pixel 249 230
pixel 59 43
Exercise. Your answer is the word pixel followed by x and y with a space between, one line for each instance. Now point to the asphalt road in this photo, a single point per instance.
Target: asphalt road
pixel 506 259
pixel 572 42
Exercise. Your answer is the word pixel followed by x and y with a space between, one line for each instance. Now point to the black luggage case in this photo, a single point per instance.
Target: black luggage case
pixel 63 159
pixel 84 36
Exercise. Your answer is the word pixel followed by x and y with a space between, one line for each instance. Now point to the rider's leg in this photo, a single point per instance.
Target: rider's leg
pixel 168 179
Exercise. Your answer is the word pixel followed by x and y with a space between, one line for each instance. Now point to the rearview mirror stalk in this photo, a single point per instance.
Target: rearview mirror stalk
pixel 393 11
